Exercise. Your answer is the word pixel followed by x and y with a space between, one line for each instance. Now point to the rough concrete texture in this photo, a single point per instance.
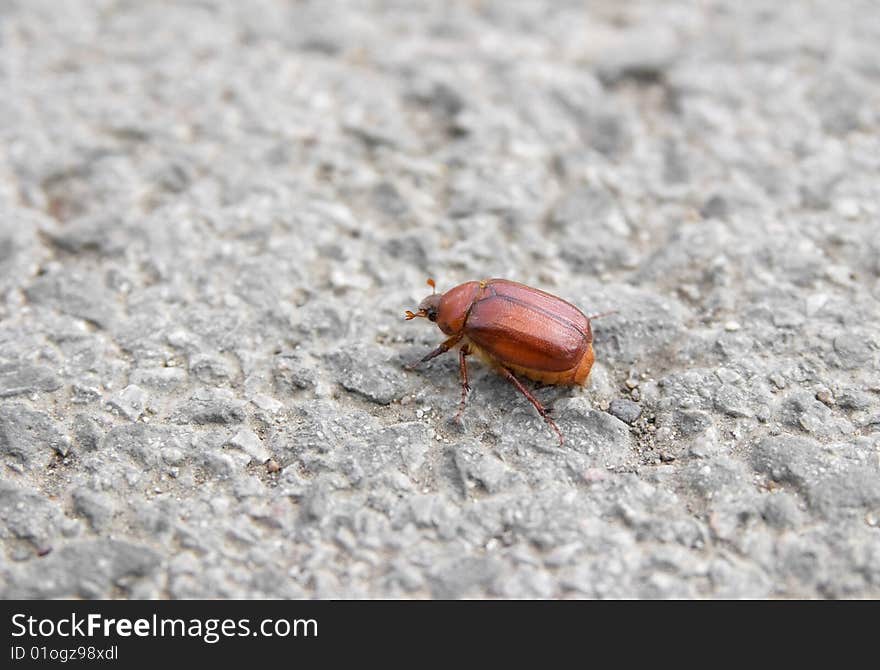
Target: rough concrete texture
pixel 215 213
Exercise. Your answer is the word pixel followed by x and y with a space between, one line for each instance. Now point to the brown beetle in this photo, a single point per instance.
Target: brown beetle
pixel 513 328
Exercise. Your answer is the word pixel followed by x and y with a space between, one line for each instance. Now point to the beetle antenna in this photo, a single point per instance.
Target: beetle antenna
pixel 432 285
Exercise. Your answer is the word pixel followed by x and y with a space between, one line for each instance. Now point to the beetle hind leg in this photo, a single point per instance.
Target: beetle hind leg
pixel 545 414
pixel 465 386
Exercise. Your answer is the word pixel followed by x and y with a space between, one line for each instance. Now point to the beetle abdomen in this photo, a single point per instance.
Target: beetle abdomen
pixel 530 331
pixel 576 375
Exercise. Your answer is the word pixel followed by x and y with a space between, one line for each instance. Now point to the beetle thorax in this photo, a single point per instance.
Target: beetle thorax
pixel 454 306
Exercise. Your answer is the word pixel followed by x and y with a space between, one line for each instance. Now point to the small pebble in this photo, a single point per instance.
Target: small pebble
pixel 777 380
pixel 625 410
pixel 848 209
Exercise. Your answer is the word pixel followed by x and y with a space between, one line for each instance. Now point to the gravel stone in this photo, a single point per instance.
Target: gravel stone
pixel 781 511
pixel 105 236
pixel 625 410
pixel 854 350
pixel 732 401
pixel 160 379
pixel 292 374
pixel 802 411
pixel 95 507
pixel 465 576
pixel 28 516
pixel 211 406
pixel 601 436
pixel 20 250
pixel 87 432
pixel 833 479
pixel 641 53
pixel 22 378
pixel 29 436
pixel 692 422
pixel 478 467
pixel 81 296
pixel 143 442
pixel 379 382
pixel 249 442
pixel 644 327
pixel 130 402
pixel 84 569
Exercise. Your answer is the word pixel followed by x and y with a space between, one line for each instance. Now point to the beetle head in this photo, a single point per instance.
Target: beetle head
pixel 428 307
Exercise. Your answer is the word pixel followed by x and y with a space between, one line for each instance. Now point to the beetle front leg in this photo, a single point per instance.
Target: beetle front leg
pixel 445 346
pixel 532 399
pixel 465 387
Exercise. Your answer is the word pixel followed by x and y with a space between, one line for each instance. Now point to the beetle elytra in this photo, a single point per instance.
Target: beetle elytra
pixel 515 329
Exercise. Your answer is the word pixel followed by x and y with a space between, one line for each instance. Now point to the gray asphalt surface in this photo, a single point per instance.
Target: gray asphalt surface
pixel 213 215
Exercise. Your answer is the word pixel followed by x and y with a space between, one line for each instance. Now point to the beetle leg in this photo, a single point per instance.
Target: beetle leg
pixel 532 399
pixel 465 387
pixel 445 346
